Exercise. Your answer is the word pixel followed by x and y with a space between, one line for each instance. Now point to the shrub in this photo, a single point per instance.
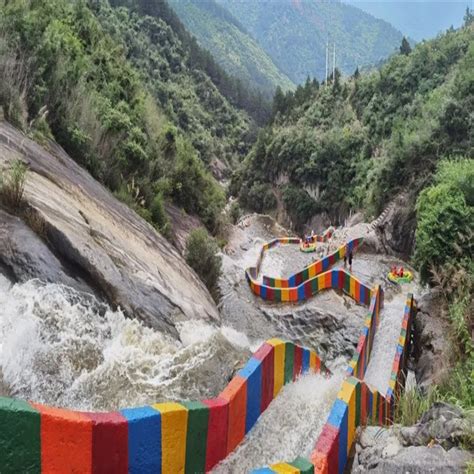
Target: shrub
pixel 445 217
pixel 159 216
pixel 299 205
pixel 259 197
pixel 201 256
pixel 235 212
pixel 12 186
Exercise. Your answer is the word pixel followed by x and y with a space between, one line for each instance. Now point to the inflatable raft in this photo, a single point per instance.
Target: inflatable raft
pixel 308 247
pixel 406 278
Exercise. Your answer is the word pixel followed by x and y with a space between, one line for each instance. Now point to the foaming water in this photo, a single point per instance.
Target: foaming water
pixel 288 428
pixel 67 349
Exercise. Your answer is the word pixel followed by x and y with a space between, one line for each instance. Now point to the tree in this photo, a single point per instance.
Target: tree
pixel 202 256
pixel 278 101
pixel 405 47
pixel 356 73
pixel 468 17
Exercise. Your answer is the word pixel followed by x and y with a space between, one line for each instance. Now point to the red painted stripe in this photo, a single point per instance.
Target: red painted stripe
pixel 298 362
pixel 109 442
pixel 66 440
pixel 216 446
pixel 236 394
pixel 266 354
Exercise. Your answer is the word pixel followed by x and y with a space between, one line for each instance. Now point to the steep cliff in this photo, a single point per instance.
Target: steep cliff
pixel 92 238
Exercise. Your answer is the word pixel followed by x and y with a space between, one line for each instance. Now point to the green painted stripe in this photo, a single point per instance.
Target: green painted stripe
pixel 305 274
pixel 277 295
pixel 20 442
pixel 196 438
pixel 303 465
pixel 347 283
pixel 289 361
pixel 314 285
pixel 358 403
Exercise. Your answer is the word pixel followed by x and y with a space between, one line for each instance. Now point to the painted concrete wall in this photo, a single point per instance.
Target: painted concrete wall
pixel 357 403
pixel 187 437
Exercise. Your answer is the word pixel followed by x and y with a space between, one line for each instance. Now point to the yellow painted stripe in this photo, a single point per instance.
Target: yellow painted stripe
pixel 348 395
pixel 312 361
pixel 352 290
pixel 284 468
pixel 285 294
pixel 312 271
pixel 174 425
pixel 278 364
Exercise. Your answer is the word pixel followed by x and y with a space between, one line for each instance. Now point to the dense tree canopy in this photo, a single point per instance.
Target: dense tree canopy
pixel 356 143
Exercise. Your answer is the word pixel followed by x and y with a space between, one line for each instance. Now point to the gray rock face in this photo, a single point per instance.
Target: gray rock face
pixel 101 241
pixel 380 451
pixel 427 447
pixel 396 227
pixel 443 423
pixel 431 344
pixel 24 256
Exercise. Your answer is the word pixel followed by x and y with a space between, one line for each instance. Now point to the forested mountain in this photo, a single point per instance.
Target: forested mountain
pixel 357 143
pixel 294 33
pixel 126 97
pixel 233 48
pixel 417 19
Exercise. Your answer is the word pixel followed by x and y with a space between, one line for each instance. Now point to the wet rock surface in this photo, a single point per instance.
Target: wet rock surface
pixel 330 322
pixel 104 242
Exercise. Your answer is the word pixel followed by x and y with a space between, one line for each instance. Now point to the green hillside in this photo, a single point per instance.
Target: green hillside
pixel 233 48
pixel 126 97
pixel 355 144
pixel 294 34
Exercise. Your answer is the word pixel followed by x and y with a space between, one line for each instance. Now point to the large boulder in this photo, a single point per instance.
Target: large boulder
pixel 379 450
pixel 101 241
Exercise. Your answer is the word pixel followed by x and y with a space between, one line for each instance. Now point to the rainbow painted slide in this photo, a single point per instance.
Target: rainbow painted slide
pixel 309 281
pixel 166 438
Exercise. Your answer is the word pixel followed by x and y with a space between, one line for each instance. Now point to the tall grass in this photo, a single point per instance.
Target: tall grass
pixel 12 186
pixel 411 405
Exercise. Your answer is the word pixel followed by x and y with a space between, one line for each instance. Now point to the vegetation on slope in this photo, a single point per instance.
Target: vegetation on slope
pixel 294 33
pixel 233 89
pixel 234 49
pixel 122 95
pixel 355 144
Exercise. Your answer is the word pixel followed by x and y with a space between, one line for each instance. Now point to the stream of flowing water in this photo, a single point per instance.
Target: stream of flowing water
pixel 289 427
pixel 65 348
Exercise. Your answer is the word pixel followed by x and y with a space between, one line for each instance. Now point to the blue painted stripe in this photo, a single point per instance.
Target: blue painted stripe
pixel 305 364
pixel 263 291
pixel 325 263
pixel 252 372
pixel 335 279
pixel 292 281
pixel 144 440
pixel 301 292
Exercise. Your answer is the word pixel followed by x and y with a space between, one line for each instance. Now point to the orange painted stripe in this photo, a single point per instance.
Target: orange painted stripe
pixel 66 441
pixel 293 294
pixel 236 394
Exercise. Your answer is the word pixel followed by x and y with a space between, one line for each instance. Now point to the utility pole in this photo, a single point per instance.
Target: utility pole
pixel 327 59
pixel 334 63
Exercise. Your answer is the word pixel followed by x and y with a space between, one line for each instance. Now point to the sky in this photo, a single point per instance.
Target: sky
pixel 417 19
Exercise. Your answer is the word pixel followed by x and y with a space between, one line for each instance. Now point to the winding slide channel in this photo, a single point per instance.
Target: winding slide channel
pixel 192 437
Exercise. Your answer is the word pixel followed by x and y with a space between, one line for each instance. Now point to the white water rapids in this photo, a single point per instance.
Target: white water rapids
pixel 288 428
pixel 67 349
